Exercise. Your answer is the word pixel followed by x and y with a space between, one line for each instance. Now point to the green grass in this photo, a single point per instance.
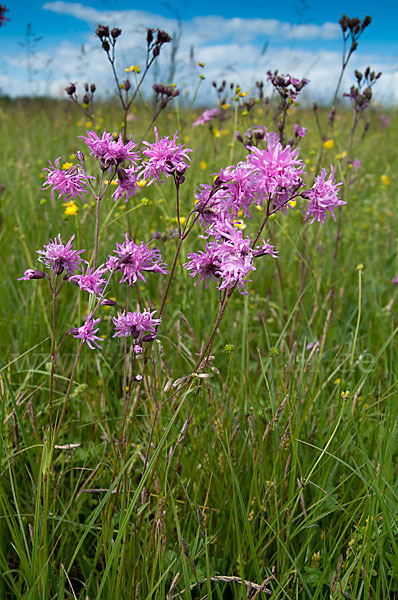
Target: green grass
pixel 303 497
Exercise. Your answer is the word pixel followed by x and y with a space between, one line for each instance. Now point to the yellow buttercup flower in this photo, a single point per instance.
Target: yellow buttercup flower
pixel 203 165
pixel 66 166
pixel 71 209
pixel 385 180
pixel 328 144
pixel 225 106
pixel 141 183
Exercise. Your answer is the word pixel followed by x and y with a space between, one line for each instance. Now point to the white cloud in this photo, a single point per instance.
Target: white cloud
pixel 234 55
pixel 208 27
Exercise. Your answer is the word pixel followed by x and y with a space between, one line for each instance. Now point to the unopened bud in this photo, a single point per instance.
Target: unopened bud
pixel 33 274
pixel 86 99
pixel 80 157
pixel 70 89
pixel 108 302
pixel 105 46
pixel 102 31
pixel 73 330
pixel 367 20
pixel 58 267
pixel 156 51
pixel 163 37
pixel 344 23
pixel 115 32
pixel 85 85
pixel 149 337
pixel 92 88
pixel 149 36
pixel 126 85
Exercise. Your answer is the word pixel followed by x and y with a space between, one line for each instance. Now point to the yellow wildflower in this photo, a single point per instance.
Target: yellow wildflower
pixel 216 133
pixel 292 203
pixel 225 106
pixel 203 165
pixel 328 144
pixel 385 180
pixel 201 64
pixel 70 208
pixel 141 183
pixel 66 166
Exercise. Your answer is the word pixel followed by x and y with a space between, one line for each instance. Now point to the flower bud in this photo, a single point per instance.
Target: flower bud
pixel 108 302
pixel 80 157
pixel 105 46
pixel 344 23
pixel 86 99
pixel 149 337
pixel 126 85
pixel 102 31
pixel 115 32
pixel 32 274
pixel 149 36
pixel 92 88
pixel 163 37
pixel 70 89
pixel 58 266
pixel 367 20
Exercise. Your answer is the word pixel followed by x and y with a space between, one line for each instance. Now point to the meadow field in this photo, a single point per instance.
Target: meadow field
pixel 248 452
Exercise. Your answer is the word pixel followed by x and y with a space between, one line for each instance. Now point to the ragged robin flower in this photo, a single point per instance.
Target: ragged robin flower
pixel 59 257
pixel 87 333
pixel 69 183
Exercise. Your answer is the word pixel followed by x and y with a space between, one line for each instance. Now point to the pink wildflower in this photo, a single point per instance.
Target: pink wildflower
pixel 109 151
pixel 164 157
pixel 207 115
pixel 91 281
pixel 70 183
pixel 299 131
pixel 323 198
pixel 87 333
pixel 59 257
pixel 140 325
pixel 133 259
pixel 127 184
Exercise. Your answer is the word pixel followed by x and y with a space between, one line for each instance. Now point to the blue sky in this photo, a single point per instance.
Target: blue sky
pixel 300 36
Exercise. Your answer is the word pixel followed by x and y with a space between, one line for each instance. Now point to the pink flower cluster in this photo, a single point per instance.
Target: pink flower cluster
pixel 269 178
pixel 133 260
pixel 228 258
pixel 164 157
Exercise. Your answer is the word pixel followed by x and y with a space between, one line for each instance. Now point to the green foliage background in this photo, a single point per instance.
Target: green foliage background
pixel 303 498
